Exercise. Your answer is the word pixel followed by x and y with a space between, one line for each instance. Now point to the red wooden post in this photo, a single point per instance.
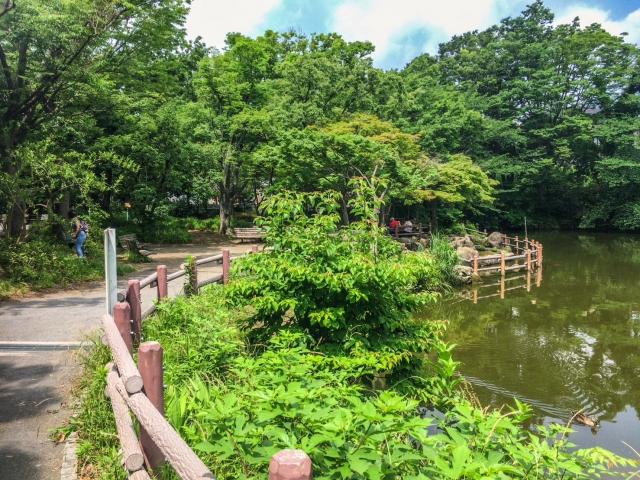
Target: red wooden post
pixel 122 319
pixel 162 282
pixel 290 465
pixel 133 298
pixel 254 248
pixel 397 228
pixel 225 266
pixel 150 368
pixel 475 264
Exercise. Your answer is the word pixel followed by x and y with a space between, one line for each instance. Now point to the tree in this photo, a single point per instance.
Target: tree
pixel 54 56
pixel 329 157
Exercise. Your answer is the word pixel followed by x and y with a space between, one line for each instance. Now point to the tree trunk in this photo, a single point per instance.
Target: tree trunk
pixel 16 218
pixel 226 198
pixel 344 212
pixel 64 205
pixel 434 217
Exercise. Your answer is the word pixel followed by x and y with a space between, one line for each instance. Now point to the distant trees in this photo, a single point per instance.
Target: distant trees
pixel 108 102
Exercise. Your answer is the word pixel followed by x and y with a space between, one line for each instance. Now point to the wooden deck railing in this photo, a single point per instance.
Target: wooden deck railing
pixel 140 388
pixel 527 250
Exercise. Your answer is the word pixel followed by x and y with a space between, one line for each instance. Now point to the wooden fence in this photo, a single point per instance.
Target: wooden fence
pixel 529 251
pixel 140 389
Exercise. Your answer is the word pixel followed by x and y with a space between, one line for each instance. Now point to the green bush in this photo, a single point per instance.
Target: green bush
pixel 446 259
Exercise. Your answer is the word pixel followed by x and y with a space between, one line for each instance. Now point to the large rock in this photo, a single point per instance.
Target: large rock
pixel 464 273
pixel 495 239
pixel 466 253
pixel 468 242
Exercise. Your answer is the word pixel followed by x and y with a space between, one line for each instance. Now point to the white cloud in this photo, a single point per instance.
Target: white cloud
pixel 382 22
pixel 213 19
pixel 589 15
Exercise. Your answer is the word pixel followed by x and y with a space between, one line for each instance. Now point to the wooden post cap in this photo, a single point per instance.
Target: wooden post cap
pixel 290 465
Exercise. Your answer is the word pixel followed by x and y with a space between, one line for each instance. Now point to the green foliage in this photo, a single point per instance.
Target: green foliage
pixel 291 397
pixel 345 287
pixel 135 257
pixel 446 258
pixel 98 443
pixel 190 268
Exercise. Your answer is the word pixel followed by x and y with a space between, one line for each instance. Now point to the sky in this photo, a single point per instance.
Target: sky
pixel 399 29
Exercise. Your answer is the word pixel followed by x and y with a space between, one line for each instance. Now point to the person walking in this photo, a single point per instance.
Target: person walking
pixel 80 230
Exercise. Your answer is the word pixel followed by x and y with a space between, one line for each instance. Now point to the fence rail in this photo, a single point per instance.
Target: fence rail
pixel 139 389
pixel 525 249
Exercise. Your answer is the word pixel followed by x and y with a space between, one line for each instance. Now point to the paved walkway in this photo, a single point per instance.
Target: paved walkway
pixel 35 381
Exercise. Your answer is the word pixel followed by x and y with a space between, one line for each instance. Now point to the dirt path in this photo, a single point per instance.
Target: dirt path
pixel 35 380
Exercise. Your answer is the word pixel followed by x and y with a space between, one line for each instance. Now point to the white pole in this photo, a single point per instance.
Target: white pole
pixel 110 269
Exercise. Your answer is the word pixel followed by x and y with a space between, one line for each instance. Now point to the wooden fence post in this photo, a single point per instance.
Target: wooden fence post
pixel 193 276
pixel 485 231
pixel 419 231
pixel 475 264
pixel 225 266
pixel 475 296
pixel 502 272
pixel 162 282
pixel 539 254
pixel 502 287
pixel 290 465
pixel 397 228
pixel 150 368
pixel 133 299
pixel 254 248
pixel 122 319
pixel 528 280
pixel 517 244
pixel 528 259
pixel 538 276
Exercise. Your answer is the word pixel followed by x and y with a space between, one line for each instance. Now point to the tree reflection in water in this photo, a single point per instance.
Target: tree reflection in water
pixel 572 342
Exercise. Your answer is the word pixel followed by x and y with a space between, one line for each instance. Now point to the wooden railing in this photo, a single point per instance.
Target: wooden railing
pixel 140 388
pixel 399 231
pixel 527 250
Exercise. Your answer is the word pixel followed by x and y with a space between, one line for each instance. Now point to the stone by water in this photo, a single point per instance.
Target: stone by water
pixel 572 342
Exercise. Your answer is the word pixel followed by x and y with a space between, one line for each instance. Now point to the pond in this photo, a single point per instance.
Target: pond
pixel 571 342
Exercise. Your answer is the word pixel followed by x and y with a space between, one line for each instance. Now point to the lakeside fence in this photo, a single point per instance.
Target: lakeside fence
pixel 529 251
pixel 140 388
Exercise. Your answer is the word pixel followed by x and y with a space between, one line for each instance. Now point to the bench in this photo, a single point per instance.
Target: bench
pixel 130 242
pixel 252 233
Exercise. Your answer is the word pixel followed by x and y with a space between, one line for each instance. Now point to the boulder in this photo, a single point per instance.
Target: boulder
pixel 466 253
pixel 464 273
pixel 468 242
pixel 495 239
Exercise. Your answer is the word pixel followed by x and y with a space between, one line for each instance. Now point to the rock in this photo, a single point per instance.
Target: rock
pixel 466 253
pixel 463 270
pixel 476 278
pixel 468 242
pixel 495 239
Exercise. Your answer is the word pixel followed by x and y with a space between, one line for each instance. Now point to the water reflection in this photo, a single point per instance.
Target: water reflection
pixel 562 341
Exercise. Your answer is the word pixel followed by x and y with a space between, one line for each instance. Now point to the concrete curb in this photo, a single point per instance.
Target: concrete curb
pixel 40 346
pixel 68 471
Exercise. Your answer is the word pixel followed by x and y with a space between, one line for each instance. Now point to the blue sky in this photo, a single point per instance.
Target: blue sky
pixel 400 29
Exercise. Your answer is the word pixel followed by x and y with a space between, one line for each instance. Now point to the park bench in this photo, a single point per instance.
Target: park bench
pixel 130 242
pixel 252 233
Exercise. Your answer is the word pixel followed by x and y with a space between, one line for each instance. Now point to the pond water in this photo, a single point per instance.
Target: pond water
pixel 572 341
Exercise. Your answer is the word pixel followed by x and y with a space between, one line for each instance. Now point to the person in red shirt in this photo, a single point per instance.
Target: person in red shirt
pixel 394 223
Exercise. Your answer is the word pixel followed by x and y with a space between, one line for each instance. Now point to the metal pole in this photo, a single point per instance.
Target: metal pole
pixel 110 269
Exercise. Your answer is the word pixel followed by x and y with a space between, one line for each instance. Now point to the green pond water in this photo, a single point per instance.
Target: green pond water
pixel 572 341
